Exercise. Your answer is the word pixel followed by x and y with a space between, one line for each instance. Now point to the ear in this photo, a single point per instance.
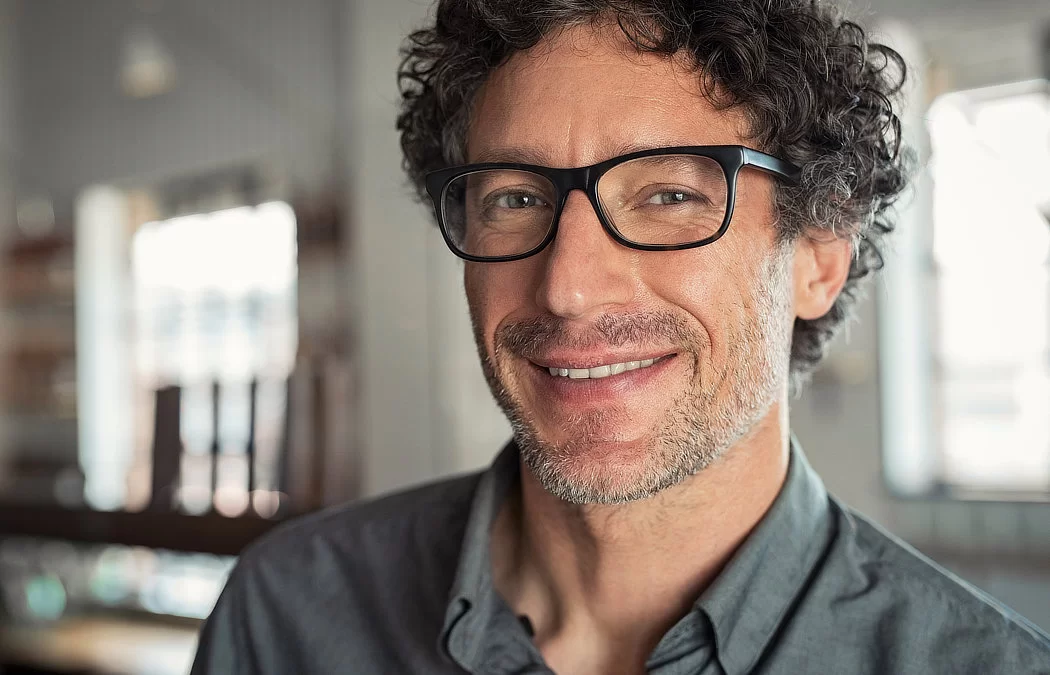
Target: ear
pixel 822 265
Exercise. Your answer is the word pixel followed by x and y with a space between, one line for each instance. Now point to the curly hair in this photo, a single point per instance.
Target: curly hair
pixel 814 88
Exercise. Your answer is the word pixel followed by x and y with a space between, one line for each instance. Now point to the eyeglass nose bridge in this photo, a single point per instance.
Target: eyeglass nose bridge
pixel 585 179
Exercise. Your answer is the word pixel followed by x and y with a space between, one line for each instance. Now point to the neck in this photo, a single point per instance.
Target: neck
pixel 618 577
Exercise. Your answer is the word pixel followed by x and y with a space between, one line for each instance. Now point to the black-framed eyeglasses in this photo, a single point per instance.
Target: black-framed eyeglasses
pixel 662 199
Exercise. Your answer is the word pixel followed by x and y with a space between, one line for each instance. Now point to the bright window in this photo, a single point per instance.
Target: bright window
pixel 215 304
pixel 990 346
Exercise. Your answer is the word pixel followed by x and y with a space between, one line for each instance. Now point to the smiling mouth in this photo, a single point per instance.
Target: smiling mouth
pixel 605 370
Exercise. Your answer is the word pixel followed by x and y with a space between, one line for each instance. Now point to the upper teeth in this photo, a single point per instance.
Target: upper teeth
pixel 600 371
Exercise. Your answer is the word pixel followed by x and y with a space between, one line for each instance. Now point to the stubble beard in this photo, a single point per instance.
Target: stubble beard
pixel 701 425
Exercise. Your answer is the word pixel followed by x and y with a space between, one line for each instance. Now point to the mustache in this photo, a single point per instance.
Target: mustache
pixel 530 338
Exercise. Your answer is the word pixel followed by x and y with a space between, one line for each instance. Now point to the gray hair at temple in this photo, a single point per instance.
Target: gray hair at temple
pixel 816 91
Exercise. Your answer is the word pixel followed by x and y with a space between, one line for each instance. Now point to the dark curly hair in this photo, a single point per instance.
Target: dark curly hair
pixel 815 90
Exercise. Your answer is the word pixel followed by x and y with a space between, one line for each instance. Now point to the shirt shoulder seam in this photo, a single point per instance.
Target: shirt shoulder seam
pixel 975 603
pixel 421 500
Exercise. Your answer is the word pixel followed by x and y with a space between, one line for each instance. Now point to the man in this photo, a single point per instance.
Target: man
pixel 666 207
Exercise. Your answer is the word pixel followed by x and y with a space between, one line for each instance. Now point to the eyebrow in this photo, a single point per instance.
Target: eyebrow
pixel 526 155
pixel 518 155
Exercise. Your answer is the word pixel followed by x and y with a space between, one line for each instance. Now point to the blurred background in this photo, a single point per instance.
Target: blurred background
pixel 221 307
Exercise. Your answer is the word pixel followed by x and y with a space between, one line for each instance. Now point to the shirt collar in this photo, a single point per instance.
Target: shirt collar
pixel 745 604
pixel 472 599
pixel 754 592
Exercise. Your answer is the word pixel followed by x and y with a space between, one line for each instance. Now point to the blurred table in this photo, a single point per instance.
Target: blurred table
pixel 103 646
pixel 208 533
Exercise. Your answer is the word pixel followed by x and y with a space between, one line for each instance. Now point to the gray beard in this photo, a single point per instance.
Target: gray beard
pixel 700 426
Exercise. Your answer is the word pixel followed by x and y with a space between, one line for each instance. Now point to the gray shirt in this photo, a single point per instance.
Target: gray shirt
pixel 403 585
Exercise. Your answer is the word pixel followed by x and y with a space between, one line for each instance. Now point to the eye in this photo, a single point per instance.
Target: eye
pixel 670 197
pixel 517 200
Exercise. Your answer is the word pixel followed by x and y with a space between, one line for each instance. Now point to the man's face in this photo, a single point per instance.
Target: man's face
pixel 715 321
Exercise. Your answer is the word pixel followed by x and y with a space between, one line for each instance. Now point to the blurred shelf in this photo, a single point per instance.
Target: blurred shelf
pixel 100 645
pixel 209 533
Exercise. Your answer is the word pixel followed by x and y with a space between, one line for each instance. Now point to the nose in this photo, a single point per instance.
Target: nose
pixel 586 270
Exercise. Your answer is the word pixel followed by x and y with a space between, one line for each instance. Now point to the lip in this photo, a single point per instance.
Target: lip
pixel 564 391
pixel 580 361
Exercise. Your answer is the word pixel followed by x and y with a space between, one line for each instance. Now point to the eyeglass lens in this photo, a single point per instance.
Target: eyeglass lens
pixel 655 200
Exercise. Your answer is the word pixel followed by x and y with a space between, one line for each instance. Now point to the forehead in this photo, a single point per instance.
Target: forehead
pixel 585 94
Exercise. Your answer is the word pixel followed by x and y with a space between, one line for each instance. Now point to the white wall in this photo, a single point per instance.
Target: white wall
pixel 253 78
pixel 8 124
pixel 425 408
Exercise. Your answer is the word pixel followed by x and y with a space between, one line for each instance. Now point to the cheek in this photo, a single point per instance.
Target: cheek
pixel 494 292
pixel 714 286
pixel 687 283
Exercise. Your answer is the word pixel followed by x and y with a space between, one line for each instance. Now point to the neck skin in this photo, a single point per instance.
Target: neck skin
pixel 602 584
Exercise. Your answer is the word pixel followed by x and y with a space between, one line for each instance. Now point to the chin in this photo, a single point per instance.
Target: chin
pixel 606 472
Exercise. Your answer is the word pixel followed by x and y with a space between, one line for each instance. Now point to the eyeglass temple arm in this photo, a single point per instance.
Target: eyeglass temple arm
pixel 772 164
